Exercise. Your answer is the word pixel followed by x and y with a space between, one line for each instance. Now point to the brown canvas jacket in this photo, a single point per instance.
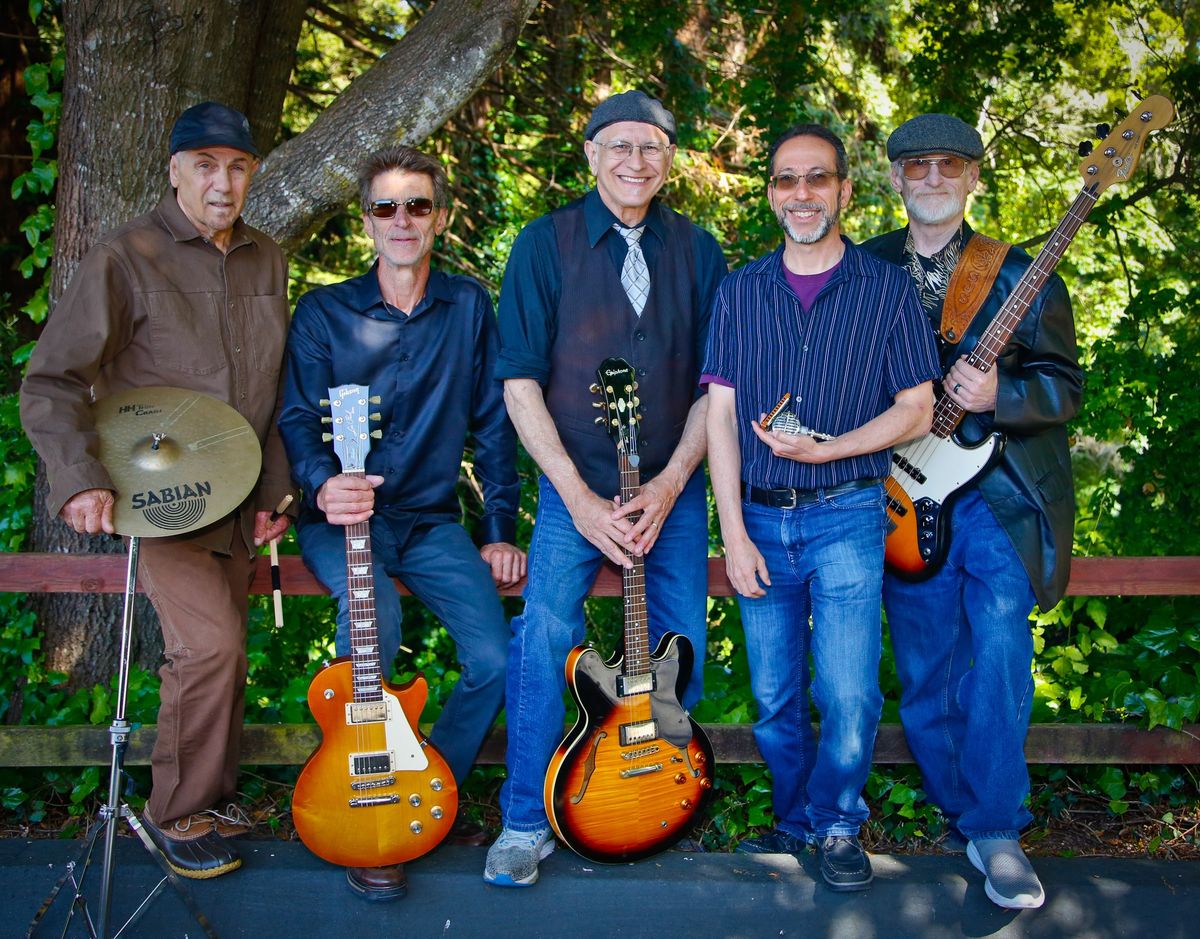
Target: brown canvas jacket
pixel 153 303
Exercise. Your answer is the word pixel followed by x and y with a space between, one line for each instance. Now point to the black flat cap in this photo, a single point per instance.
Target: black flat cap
pixel 934 133
pixel 631 106
pixel 212 124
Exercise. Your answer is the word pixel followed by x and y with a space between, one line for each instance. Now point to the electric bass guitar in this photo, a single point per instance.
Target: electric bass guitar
pixel 928 473
pixel 635 771
pixel 375 792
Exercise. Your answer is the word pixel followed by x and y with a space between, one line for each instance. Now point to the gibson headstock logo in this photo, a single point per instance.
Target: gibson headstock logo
pixel 172 507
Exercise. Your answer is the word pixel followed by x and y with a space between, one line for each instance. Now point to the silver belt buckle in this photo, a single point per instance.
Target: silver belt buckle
pixel 794 502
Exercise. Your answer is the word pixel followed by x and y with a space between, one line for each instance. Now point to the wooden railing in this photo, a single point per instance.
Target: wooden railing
pixel 284 744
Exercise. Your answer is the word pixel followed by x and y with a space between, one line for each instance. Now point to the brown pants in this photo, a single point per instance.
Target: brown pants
pixel 201 599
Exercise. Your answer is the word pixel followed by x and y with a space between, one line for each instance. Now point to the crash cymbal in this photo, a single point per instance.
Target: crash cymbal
pixel 179 459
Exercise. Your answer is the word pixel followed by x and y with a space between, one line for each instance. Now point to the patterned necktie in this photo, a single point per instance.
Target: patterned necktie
pixel 635 276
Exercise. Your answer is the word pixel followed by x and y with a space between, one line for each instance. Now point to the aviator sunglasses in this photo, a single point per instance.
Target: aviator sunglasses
pixel 417 207
pixel 918 167
pixel 816 180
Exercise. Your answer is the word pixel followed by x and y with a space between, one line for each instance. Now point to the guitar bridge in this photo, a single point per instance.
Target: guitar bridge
pixel 638 733
pixel 374 783
pixel 369 801
pixel 637 684
pixel 370 764
pixel 641 770
pixel 366 712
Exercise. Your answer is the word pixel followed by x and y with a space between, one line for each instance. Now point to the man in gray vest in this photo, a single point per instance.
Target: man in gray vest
pixel 962 640
pixel 615 273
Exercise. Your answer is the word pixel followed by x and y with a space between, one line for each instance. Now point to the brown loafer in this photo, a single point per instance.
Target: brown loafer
pixel 377 884
pixel 465 831
pixel 192 847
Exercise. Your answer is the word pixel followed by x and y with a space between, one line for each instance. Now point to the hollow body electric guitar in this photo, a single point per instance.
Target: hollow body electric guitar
pixel 635 771
pixel 375 792
pixel 928 473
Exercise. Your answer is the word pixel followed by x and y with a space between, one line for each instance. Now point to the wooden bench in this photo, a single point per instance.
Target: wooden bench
pixel 286 744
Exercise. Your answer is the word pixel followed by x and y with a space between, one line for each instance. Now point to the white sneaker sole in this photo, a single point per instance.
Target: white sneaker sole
pixel 1022 901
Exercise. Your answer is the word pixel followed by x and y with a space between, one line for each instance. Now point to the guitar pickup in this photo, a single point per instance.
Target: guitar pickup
pixel 910 468
pixel 369 801
pixel 366 712
pixel 637 684
pixel 640 732
pixel 370 764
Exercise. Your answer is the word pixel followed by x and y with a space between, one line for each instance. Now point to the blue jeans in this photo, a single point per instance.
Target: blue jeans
pixel 963 652
pixel 443 569
pixel 562 567
pixel 825 560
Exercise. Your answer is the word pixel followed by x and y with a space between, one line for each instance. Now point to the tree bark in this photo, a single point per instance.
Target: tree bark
pixel 132 66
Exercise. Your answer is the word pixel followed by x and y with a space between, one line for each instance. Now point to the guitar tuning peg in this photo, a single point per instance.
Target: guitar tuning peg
pixel 593 388
pixel 637 401
pixel 601 421
pixel 375 399
pixel 327 437
pixel 327 420
pixel 324 402
pixel 377 434
pixel 597 404
pixel 1103 130
pixel 1085 148
pixel 635 386
pixel 375 416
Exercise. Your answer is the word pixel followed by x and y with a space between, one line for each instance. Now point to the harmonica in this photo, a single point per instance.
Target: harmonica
pixel 787 422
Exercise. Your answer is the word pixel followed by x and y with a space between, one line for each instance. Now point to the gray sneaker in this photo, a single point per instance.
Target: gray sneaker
pixel 513 860
pixel 1011 881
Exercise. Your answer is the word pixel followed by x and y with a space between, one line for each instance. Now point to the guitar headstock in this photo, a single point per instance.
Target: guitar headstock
pixel 351 425
pixel 616 383
pixel 1116 157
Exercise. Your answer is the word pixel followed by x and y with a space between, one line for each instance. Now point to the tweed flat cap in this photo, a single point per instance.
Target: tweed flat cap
pixel 934 133
pixel 631 106
pixel 212 124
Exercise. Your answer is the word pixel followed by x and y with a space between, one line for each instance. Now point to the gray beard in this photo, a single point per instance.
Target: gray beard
pixel 935 211
pixel 828 220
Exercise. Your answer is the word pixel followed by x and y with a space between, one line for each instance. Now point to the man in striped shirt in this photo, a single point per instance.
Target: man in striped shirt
pixel 801 510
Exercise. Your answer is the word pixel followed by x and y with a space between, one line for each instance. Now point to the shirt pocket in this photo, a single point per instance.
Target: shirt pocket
pixel 265 330
pixel 185 332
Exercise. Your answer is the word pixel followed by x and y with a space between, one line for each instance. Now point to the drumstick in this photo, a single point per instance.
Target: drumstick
pixel 276 587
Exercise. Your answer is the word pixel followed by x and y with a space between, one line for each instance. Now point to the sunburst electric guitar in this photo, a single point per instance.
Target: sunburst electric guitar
pixel 375 792
pixel 928 473
pixel 635 771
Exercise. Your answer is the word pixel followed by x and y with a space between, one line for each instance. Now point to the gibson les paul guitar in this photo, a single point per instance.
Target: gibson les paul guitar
pixel 635 771
pixel 928 473
pixel 375 792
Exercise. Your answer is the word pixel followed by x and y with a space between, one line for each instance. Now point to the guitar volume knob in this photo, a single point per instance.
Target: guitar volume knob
pixel 416 828
pixel 437 811
pixel 436 784
pixel 414 800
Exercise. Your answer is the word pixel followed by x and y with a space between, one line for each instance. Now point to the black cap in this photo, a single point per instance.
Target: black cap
pixel 934 133
pixel 212 124
pixel 631 106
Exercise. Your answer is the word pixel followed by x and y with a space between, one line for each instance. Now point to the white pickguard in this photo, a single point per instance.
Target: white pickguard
pixel 944 464
pixel 402 744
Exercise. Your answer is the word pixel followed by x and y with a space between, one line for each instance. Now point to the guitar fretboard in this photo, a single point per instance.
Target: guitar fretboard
pixel 948 414
pixel 633 582
pixel 367 670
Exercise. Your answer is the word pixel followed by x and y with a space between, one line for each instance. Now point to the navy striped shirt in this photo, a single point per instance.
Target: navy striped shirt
pixel 864 340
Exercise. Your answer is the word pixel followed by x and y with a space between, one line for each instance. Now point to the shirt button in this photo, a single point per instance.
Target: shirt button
pixel 805 348
pixel 237 348
pixel 405 357
pixel 641 373
pixel 643 442
pixel 639 336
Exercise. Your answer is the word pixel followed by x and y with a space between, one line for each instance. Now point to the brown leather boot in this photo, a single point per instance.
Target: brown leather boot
pixel 378 883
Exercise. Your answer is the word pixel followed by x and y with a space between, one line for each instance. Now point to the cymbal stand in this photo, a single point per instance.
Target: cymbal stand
pixel 114 810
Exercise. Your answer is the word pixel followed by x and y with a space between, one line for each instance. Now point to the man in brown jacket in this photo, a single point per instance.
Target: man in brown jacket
pixel 191 297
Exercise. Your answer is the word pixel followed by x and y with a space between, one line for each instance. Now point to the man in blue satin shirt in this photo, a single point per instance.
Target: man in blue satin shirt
pixel 426 343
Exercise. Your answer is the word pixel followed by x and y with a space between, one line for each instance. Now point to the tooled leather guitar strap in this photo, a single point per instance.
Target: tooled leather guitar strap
pixel 970 284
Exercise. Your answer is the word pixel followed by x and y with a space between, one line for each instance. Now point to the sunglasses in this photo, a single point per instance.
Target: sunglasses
pixel 815 181
pixel 417 207
pixel 918 168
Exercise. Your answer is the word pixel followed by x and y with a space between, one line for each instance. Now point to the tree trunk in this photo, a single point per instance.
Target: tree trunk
pixel 132 66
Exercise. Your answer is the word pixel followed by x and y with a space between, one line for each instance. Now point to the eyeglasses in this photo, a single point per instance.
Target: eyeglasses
pixel 651 152
pixel 417 207
pixel 816 180
pixel 918 167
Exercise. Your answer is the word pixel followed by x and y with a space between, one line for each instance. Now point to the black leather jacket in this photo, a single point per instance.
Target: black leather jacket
pixel 1029 490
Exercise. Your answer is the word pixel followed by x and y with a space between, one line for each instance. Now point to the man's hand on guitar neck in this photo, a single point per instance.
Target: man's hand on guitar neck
pixel 599 522
pixel 971 388
pixel 348 500
pixel 654 502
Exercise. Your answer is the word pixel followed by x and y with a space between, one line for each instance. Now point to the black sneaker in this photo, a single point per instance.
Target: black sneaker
pixel 844 864
pixel 775 841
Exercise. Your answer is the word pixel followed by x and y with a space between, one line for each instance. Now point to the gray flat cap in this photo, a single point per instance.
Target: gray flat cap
pixel 934 133
pixel 212 124
pixel 631 106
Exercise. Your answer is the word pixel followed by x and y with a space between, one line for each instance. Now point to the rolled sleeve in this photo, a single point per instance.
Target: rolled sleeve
pixel 529 296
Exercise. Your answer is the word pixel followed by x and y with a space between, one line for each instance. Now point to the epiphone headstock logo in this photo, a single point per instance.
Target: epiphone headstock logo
pixel 610 372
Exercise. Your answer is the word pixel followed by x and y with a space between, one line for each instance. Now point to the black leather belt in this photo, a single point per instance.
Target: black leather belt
pixel 790 498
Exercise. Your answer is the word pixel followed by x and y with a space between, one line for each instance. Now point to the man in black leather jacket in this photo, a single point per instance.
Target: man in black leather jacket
pixel 962 638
